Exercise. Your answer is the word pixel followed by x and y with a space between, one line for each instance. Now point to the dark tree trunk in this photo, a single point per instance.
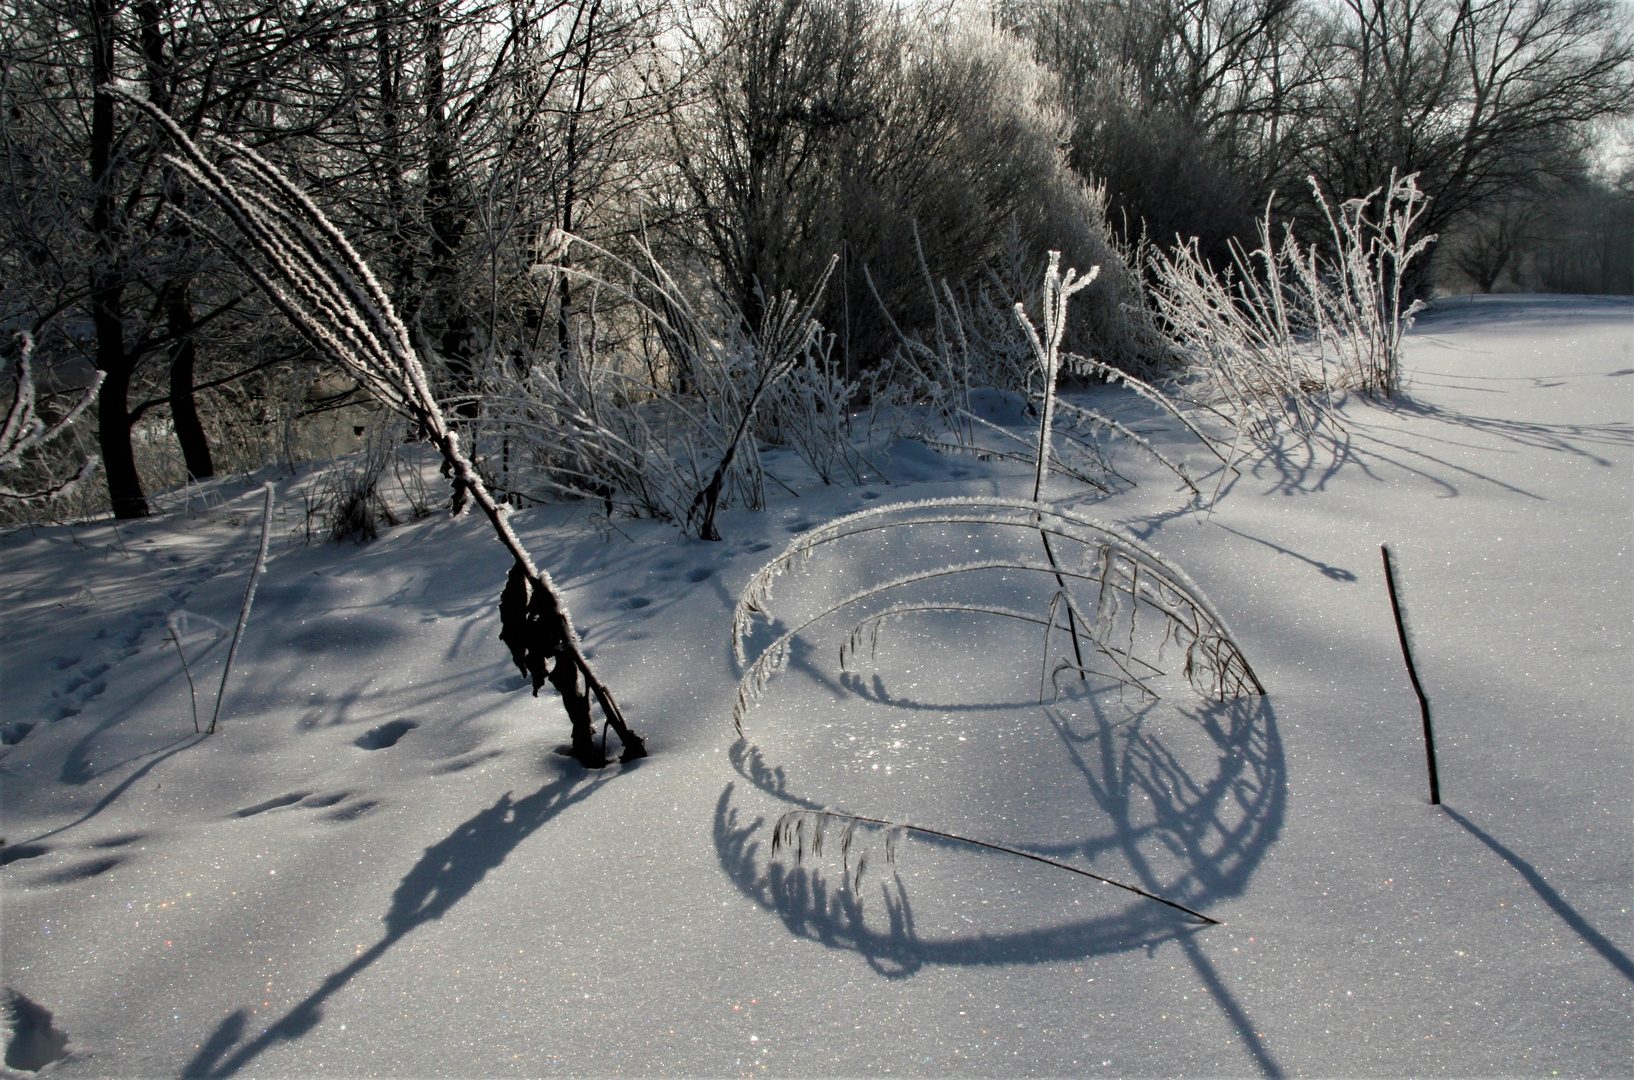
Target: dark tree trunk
pixel 178 307
pixel 107 285
pixel 446 219
pixel 184 411
pixel 118 461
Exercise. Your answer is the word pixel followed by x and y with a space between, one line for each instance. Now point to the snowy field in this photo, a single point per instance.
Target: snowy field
pixel 380 866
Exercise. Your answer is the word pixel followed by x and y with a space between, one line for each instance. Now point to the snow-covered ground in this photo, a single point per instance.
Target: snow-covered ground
pixel 381 865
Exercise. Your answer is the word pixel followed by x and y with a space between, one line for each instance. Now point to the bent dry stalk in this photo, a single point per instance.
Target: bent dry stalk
pixel 308 270
pixel 174 627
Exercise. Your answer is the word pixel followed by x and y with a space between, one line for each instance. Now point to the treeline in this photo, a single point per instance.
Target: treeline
pixel 935 151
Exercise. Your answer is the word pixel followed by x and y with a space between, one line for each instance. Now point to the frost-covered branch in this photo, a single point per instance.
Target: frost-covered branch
pixel 23 431
pixel 322 285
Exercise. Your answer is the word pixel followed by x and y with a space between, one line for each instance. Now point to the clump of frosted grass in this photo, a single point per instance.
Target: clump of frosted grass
pixel 1271 340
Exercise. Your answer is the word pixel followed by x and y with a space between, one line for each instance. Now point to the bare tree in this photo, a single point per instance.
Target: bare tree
pixel 86 192
pixel 1475 96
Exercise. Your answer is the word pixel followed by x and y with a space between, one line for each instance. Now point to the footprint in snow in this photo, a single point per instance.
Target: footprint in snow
pixel 306 800
pixel 121 840
pixel 460 764
pixel 354 811
pixel 35 1042
pixel 80 871
pixel 699 573
pixel 636 603
pixel 272 804
pixel 385 735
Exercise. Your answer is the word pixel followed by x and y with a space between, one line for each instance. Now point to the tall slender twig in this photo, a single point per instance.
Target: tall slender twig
pixel 244 609
pixel 1412 674
pixel 1058 288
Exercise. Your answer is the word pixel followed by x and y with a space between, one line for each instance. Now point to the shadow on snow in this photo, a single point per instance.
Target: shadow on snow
pixel 1195 840
pixel 443 877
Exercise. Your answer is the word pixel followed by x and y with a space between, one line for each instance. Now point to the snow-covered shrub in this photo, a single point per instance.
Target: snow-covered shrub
pixel 1270 339
pixel 349 500
pixel 306 267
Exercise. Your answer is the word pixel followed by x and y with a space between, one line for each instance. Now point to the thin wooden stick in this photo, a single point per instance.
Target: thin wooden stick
pixel 1412 673
pixel 244 611
pixel 176 637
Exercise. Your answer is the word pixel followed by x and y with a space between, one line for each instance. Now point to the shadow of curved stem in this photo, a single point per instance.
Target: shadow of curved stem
pixel 1196 838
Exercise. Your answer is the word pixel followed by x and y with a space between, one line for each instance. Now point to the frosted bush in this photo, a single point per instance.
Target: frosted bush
pixel 1272 338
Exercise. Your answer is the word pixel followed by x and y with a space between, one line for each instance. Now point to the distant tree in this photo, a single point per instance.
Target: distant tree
pixel 1477 98
pixel 85 203
pixel 900 141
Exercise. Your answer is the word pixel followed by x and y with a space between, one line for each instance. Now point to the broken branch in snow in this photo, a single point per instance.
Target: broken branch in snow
pixel 1412 674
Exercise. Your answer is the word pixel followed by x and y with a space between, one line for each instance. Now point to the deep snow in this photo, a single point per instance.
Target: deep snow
pixel 380 865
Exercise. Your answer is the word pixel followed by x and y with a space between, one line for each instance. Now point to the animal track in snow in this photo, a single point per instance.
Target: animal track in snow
pixel 699 573
pixel 271 804
pixel 12 734
pixel 352 812
pixel 636 603
pixel 320 802
pixel 385 735
pixel 87 683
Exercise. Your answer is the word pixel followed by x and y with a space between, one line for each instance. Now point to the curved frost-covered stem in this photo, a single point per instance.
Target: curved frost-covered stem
pixel 307 268
pixel 1127 577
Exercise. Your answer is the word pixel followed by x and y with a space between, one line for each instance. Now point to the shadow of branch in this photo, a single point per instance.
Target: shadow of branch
pixel 1595 940
pixel 444 876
